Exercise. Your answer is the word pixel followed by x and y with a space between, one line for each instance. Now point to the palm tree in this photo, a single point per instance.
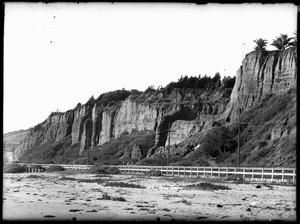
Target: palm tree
pixel 282 42
pixel 294 42
pixel 260 44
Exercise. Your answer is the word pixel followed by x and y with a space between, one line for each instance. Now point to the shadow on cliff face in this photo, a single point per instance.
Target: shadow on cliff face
pixel 178 112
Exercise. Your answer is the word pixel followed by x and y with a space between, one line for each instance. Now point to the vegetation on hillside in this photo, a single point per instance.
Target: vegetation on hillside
pixel 257 148
pixel 219 143
pixel 112 152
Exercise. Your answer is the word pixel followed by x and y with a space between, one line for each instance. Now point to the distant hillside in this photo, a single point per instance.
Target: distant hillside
pixel 11 141
pixel 15 138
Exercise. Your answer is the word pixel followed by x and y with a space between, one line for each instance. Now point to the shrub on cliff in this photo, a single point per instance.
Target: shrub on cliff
pixel 15 168
pixel 228 82
pixel 113 96
pixel 183 162
pixel 111 153
pixel 194 82
pixel 157 160
pixel 217 141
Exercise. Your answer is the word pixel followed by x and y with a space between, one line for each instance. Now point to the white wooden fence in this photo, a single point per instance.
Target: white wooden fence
pixel 66 166
pixel 247 173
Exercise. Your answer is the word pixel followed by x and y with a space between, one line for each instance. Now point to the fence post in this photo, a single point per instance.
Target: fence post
pixel 243 173
pixel 184 171
pixel 197 171
pixel 282 175
pixel 190 172
pixel 172 171
pixel 219 173
pixel 252 173
pixel 294 173
pixel 226 172
pixel 204 173
pixel 211 174
pixel 262 174
pixel 272 176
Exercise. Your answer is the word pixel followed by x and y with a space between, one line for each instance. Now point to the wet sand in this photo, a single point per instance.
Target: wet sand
pixel 46 197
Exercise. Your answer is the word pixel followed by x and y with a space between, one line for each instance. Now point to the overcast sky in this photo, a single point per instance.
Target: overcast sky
pixel 57 55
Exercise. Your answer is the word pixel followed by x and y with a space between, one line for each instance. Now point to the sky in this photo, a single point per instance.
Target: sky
pixel 59 54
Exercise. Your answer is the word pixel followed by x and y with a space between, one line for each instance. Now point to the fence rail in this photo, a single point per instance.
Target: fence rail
pixel 247 173
pixel 66 166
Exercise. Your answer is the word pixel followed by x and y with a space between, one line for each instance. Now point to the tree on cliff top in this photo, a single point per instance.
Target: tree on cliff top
pixel 282 42
pixel 294 42
pixel 260 44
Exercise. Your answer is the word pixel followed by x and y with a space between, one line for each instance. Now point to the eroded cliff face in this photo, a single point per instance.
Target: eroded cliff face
pixel 132 116
pixel 56 127
pixel 262 73
pixel 93 124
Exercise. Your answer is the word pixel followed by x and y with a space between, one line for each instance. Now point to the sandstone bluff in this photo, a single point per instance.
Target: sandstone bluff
pixel 261 74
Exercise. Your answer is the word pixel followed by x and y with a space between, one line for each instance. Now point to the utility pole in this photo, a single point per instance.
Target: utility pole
pixel 168 156
pixel 88 152
pixel 239 136
pixel 123 151
pixel 239 123
pixel 13 153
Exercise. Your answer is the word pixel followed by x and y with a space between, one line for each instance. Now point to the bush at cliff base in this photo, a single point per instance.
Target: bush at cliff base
pixel 153 172
pixel 54 168
pixel 15 168
pixel 99 169
pixel 112 170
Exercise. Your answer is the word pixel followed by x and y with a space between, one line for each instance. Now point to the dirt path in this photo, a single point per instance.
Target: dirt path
pixel 86 197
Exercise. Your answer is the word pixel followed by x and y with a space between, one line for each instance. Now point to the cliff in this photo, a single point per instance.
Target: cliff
pixel 262 73
pixel 182 111
pixel 93 124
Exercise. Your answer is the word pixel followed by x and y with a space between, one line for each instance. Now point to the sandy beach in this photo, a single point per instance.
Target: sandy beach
pixel 71 196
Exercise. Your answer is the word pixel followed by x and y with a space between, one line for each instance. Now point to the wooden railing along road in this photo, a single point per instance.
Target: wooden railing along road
pixel 247 173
